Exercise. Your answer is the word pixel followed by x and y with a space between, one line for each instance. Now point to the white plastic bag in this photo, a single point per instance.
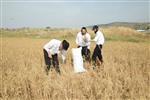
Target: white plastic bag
pixel 77 60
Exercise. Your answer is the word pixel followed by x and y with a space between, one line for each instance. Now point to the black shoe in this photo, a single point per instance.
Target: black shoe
pixel 48 67
pixel 94 67
pixel 58 70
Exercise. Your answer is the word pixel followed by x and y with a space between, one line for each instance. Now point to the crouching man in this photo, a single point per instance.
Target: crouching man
pixel 99 40
pixel 83 40
pixel 51 50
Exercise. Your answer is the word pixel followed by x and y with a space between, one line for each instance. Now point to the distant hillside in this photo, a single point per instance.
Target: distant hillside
pixel 136 26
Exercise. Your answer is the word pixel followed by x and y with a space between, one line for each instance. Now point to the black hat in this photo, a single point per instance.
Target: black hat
pixel 65 44
pixel 83 28
pixel 95 27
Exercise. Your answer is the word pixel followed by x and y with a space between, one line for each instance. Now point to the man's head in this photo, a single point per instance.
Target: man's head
pixel 64 45
pixel 95 28
pixel 83 30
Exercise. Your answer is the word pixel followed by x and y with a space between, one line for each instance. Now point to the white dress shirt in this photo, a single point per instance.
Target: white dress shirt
pixel 52 47
pixel 99 38
pixel 83 40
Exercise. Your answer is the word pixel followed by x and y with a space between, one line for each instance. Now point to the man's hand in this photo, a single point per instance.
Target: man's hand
pixel 64 61
pixel 49 54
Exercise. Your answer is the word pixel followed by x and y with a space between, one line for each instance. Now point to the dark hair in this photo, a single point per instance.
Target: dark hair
pixel 95 27
pixel 84 28
pixel 65 44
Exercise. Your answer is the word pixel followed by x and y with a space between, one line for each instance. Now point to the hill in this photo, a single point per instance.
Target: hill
pixel 136 26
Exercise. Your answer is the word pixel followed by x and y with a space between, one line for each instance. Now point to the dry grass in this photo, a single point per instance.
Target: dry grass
pixel 121 30
pixel 125 74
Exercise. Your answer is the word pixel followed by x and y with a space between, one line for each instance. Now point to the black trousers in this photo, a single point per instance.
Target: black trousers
pixel 85 53
pixel 97 53
pixel 47 58
pixel 49 61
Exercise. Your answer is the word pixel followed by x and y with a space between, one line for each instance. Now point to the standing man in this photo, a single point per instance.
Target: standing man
pixel 83 40
pixel 99 39
pixel 51 50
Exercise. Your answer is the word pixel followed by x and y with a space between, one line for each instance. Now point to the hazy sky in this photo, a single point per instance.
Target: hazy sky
pixel 72 13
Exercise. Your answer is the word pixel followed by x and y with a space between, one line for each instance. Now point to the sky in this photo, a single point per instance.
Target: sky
pixel 71 13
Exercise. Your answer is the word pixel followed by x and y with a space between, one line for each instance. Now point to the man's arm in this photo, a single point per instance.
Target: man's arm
pixel 63 55
pixel 88 41
pixel 95 39
pixel 49 55
pixel 92 40
pixel 77 39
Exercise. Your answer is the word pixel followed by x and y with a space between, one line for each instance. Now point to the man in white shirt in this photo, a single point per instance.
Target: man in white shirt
pixel 83 40
pixel 99 40
pixel 51 50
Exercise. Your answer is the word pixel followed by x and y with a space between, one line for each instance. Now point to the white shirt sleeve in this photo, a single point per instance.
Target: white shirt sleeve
pixel 96 38
pixel 99 38
pixel 102 39
pixel 77 39
pixel 88 41
pixel 63 55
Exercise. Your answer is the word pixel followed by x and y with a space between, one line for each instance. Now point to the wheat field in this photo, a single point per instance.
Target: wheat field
pixel 125 74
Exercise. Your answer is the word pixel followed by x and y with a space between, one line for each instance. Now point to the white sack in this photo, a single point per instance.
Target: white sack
pixel 77 60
